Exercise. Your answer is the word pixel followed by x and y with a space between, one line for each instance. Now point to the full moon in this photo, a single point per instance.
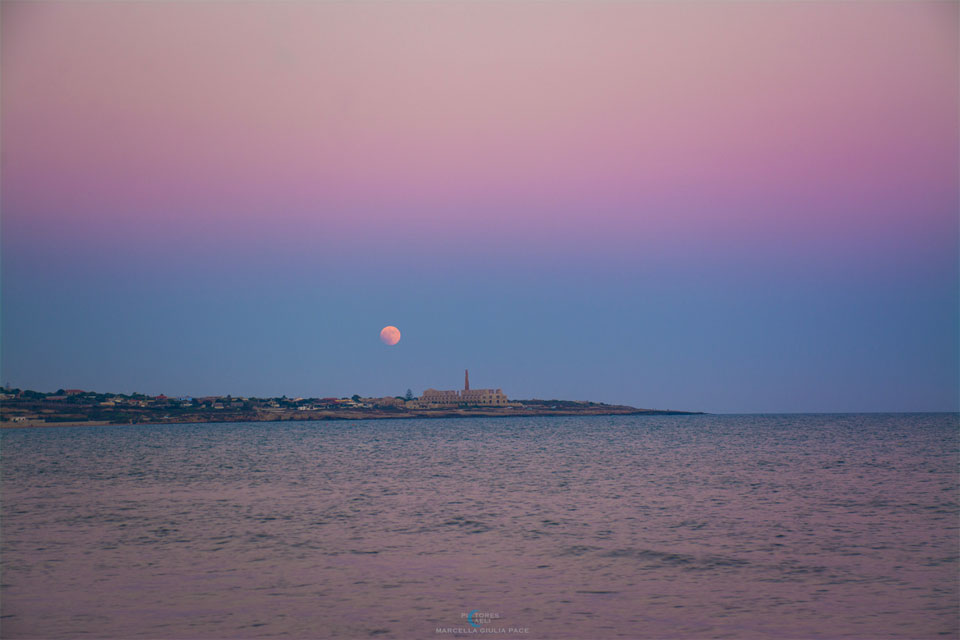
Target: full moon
pixel 390 335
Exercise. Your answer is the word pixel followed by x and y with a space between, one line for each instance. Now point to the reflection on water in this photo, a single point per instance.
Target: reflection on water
pixel 603 527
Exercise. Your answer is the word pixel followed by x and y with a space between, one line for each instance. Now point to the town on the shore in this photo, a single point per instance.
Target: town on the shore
pixel 20 407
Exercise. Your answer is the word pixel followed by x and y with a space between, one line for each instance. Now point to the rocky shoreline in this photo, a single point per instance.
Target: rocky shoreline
pixel 534 409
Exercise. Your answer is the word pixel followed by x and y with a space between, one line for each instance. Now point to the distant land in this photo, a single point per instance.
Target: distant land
pixel 75 407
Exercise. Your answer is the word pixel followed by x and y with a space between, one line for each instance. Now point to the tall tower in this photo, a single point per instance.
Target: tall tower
pixel 466 379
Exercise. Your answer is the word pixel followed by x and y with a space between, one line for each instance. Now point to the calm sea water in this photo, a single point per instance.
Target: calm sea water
pixel 819 526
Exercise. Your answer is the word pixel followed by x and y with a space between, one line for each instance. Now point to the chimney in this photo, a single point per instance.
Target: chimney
pixel 466 379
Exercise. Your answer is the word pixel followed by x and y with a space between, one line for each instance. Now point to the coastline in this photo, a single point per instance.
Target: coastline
pixel 326 416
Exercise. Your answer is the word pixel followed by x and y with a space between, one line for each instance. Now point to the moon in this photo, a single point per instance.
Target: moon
pixel 390 335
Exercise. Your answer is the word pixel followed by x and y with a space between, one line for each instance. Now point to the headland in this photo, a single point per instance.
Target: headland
pixel 76 407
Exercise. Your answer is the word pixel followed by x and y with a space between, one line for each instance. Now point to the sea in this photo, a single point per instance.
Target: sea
pixel 698 526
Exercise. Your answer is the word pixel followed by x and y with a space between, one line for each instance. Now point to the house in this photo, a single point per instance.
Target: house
pixel 385 402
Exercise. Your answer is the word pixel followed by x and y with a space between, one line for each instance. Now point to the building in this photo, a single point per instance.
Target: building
pixel 433 398
pixel 383 403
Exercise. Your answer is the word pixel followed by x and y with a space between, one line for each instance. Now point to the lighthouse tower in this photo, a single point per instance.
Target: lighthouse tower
pixel 466 379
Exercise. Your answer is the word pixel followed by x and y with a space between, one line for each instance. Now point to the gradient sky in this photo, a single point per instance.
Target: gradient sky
pixel 727 207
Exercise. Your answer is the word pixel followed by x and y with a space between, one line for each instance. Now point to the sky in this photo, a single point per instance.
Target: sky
pixel 716 206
